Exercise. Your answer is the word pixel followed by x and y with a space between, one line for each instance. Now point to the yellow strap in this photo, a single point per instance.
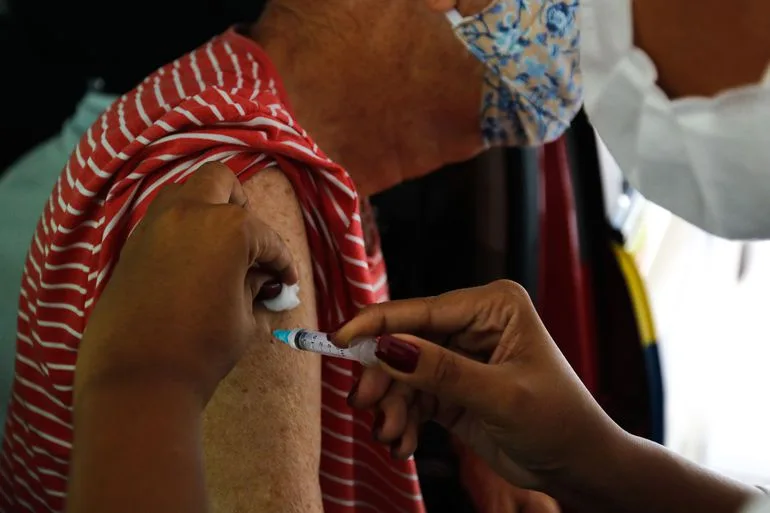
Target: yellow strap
pixel 638 292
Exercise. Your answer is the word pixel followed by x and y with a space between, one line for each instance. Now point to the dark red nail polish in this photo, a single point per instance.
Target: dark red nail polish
pixel 352 394
pixel 270 290
pixel 379 420
pixel 400 355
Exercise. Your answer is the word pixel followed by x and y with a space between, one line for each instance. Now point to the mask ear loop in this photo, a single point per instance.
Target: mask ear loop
pixel 766 78
pixel 454 17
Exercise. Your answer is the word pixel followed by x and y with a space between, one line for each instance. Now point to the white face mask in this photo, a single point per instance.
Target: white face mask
pixel 705 160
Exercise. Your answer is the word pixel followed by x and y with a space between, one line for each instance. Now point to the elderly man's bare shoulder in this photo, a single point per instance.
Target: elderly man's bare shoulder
pixel 262 428
pixel 272 196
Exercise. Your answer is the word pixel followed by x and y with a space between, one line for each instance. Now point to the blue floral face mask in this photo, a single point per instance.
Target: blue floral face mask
pixel 532 87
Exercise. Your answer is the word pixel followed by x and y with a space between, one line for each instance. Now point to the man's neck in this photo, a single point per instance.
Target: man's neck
pixel 376 129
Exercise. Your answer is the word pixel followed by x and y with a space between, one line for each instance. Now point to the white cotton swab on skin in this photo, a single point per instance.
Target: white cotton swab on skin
pixel 288 299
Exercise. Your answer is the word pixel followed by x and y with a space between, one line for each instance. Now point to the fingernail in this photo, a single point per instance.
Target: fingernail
pixel 352 394
pixel 379 420
pixel 270 290
pixel 398 354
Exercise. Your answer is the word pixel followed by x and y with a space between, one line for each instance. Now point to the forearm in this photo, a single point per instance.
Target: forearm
pixel 632 475
pixel 262 436
pixel 137 448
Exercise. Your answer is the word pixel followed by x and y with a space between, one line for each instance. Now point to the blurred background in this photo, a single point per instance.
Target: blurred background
pixel 666 324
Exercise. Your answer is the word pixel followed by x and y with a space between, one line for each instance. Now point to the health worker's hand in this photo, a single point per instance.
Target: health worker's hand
pixel 480 362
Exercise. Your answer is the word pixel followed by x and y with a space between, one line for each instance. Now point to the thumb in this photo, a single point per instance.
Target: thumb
pixel 437 370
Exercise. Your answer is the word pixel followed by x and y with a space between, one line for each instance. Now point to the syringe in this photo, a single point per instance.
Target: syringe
pixel 361 350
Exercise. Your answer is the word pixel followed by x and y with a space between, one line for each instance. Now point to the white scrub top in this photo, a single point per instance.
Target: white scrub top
pixel 707 160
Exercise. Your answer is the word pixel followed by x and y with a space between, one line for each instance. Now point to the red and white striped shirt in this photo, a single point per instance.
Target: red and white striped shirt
pixel 222 102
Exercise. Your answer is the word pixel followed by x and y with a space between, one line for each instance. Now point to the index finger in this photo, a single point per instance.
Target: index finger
pixel 448 313
pixel 215 183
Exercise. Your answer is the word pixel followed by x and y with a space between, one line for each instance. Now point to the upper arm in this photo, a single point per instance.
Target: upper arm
pixel 705 47
pixel 262 427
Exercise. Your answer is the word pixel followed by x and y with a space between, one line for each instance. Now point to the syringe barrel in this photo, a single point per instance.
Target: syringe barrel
pixel 362 350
